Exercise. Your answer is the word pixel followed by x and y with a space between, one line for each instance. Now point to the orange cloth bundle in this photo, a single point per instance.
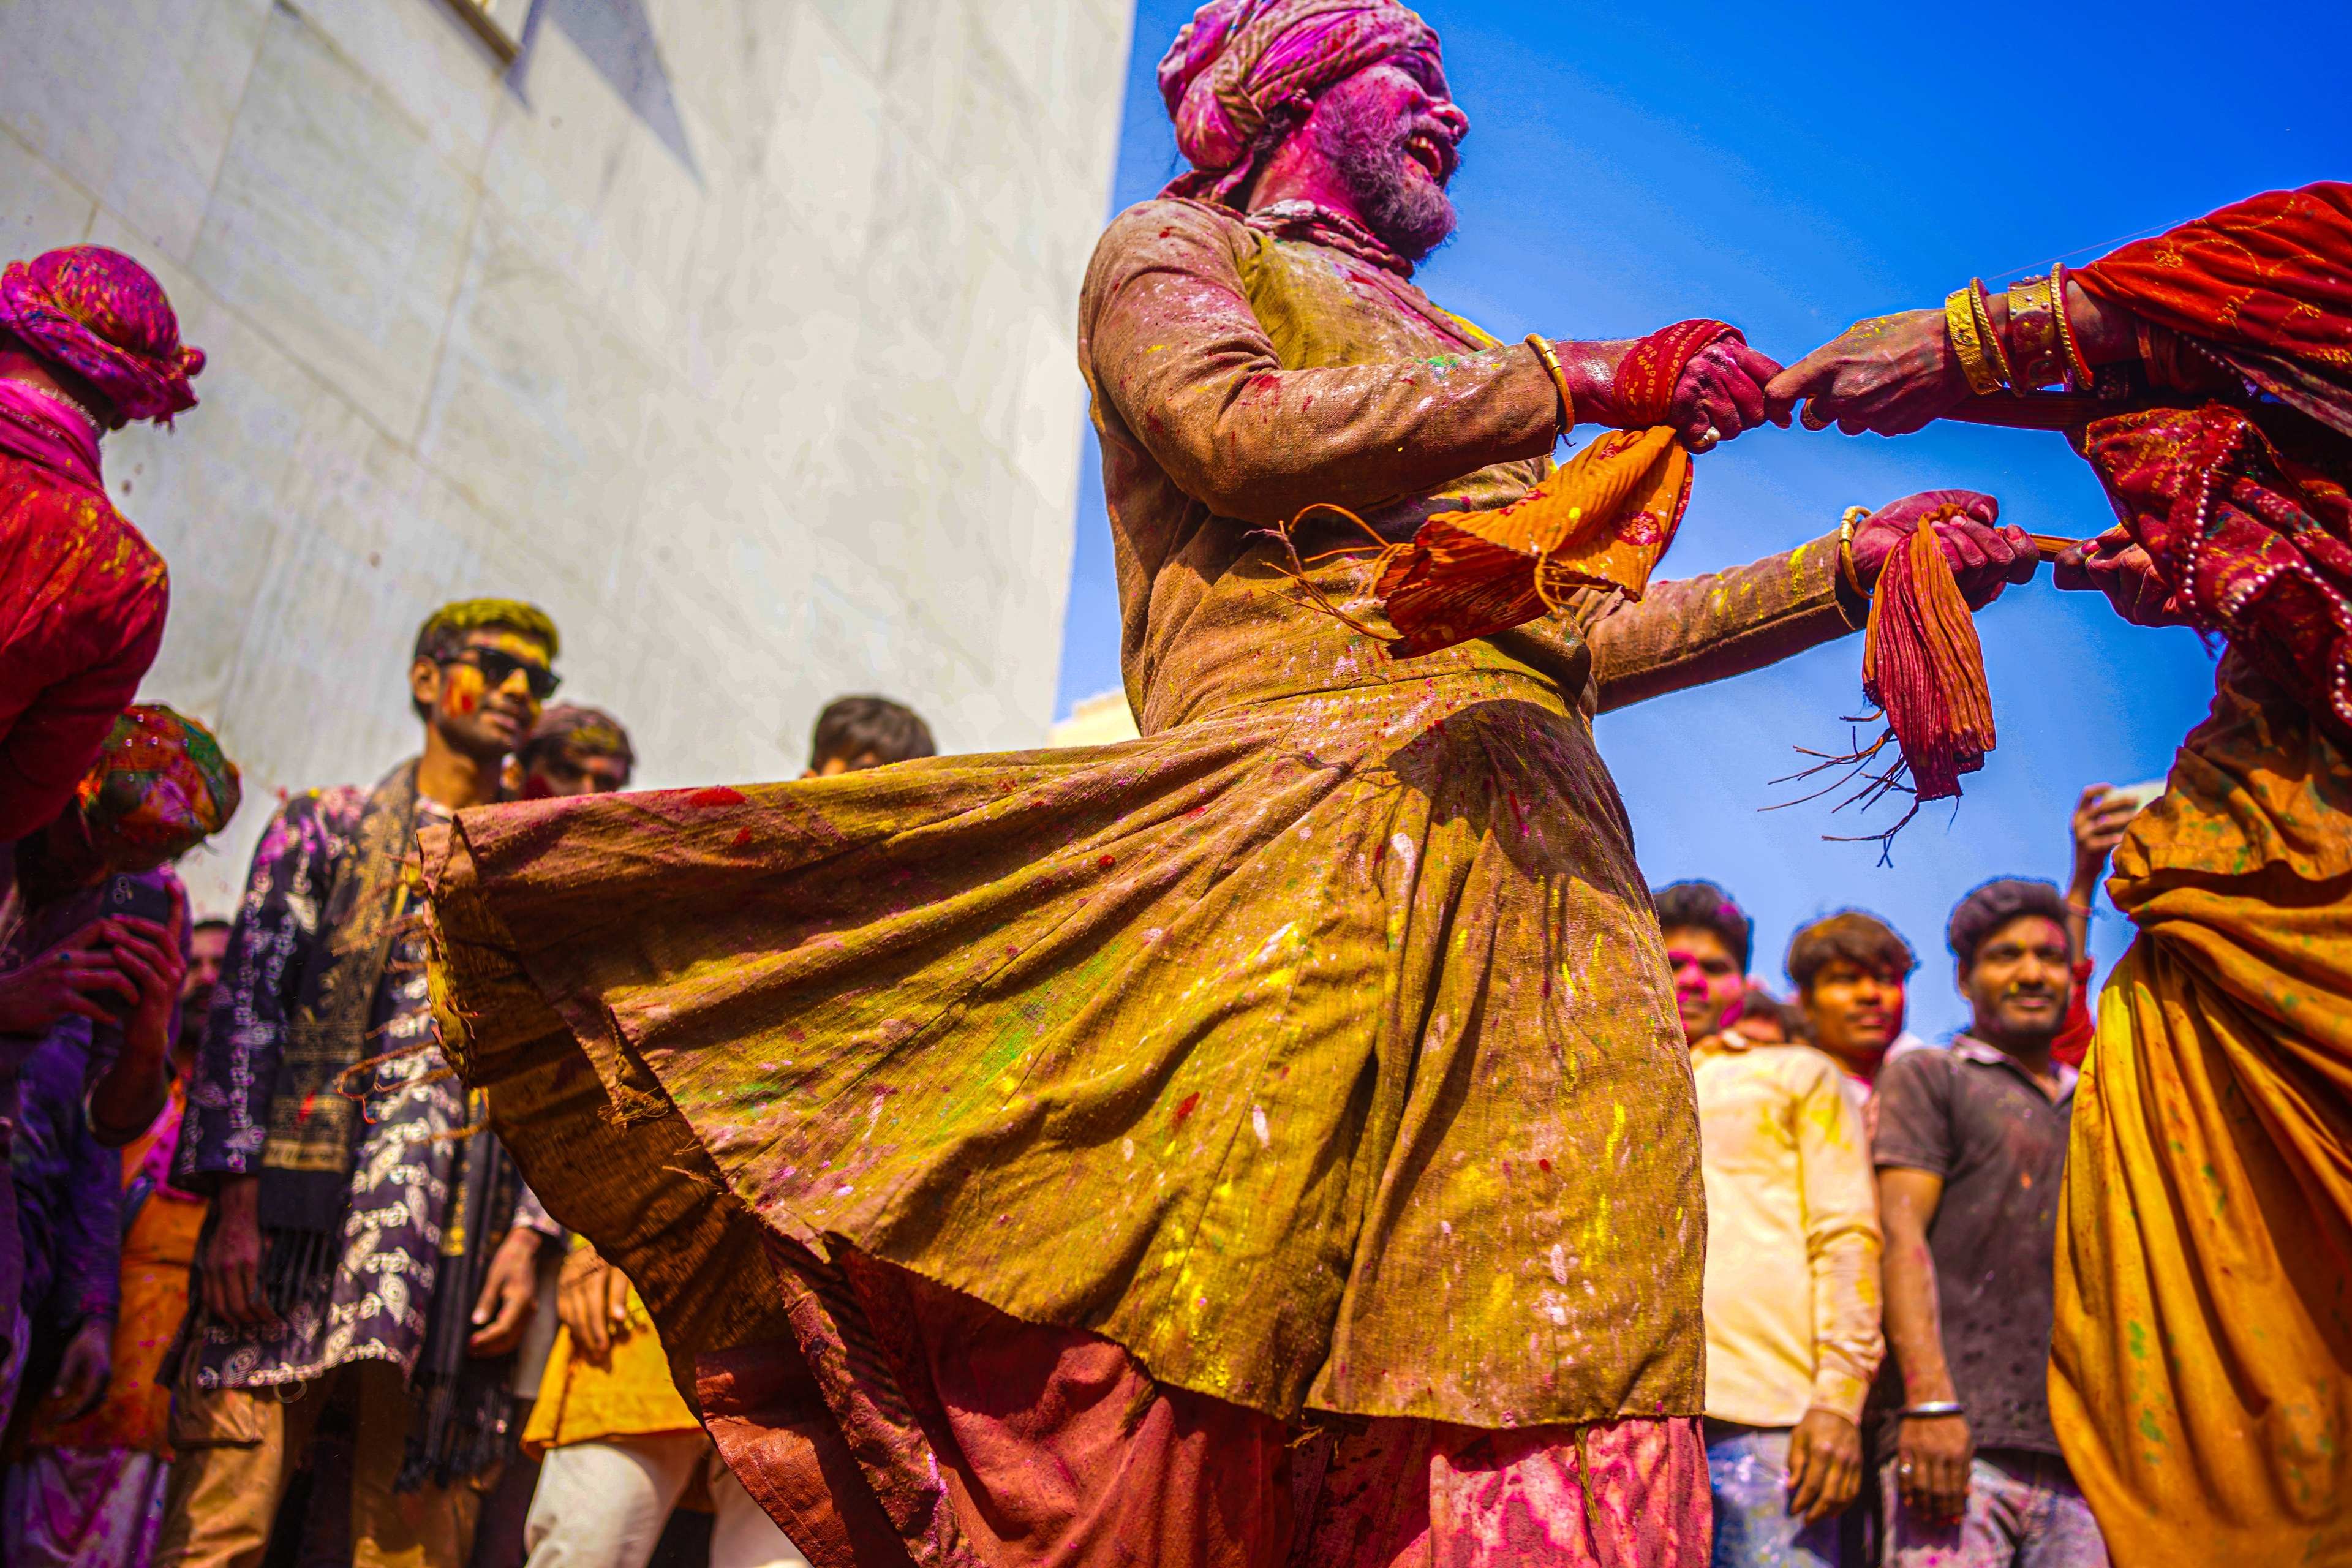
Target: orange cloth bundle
pixel 1601 522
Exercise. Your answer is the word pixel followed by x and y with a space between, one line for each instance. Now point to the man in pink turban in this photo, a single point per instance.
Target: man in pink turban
pixel 1268 1141
pixel 88 343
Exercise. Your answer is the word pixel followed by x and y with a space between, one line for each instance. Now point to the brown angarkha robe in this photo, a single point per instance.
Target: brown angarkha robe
pixel 1318 1048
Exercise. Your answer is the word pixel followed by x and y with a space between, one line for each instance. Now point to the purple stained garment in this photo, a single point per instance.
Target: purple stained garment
pixel 401 1178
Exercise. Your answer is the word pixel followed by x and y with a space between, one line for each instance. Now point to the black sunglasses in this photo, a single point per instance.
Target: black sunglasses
pixel 498 668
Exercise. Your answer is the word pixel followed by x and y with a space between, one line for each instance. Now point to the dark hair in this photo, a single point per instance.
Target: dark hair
pixel 577 728
pixel 210 922
pixel 1860 938
pixel 1795 1022
pixel 1993 905
pixel 1702 906
pixel 855 727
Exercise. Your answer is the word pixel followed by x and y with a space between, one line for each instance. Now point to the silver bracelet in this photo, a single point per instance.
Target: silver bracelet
pixel 1934 1407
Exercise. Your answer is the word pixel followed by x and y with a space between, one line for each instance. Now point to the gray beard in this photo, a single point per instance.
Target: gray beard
pixel 1411 216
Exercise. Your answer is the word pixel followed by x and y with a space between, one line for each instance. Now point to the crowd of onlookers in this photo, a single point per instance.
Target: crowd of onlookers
pixel 1882 1215
pixel 308 1311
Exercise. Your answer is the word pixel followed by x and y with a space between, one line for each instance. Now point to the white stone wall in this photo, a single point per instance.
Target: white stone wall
pixel 737 333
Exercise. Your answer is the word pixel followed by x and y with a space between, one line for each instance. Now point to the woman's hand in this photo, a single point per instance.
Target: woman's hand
pixel 1891 374
pixel 2123 571
pixel 1984 556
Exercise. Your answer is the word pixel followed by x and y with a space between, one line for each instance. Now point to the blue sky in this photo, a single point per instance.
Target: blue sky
pixel 1791 170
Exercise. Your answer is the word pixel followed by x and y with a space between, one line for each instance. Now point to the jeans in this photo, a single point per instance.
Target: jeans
pixel 2024 1512
pixel 1748 1469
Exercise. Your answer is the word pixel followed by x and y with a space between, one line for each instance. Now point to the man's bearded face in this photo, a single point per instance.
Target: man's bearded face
pixel 1393 139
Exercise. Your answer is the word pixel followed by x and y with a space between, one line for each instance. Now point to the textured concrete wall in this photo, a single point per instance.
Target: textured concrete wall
pixel 738 333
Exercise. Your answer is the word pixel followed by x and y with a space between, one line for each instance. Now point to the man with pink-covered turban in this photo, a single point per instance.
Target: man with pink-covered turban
pixel 87 344
pixel 1270 1139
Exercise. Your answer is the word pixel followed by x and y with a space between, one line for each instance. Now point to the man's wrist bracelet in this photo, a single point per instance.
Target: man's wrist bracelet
pixel 1542 346
pixel 1934 1407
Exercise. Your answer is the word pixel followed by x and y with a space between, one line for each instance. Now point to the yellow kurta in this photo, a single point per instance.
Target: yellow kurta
pixel 2203 1339
pixel 628 1394
pixel 1792 1284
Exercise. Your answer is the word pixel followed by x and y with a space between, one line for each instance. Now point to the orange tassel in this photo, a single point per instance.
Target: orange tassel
pixel 1924 667
pixel 1922 664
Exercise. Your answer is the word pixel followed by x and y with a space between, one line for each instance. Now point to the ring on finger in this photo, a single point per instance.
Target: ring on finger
pixel 1707 440
pixel 1808 417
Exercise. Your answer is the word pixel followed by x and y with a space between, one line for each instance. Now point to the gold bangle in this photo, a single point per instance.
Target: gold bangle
pixel 1960 326
pixel 2078 369
pixel 2033 336
pixel 1542 346
pixel 1980 304
pixel 1854 516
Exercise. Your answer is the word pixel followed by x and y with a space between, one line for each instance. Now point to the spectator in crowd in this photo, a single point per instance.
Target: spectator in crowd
pixel 573 750
pixel 87 1489
pixel 855 733
pixel 1850 971
pixel 1791 1288
pixel 83 966
pixel 1766 1020
pixel 331 1246
pixel 1971 1148
pixel 619 1448
pixel 88 343
pixel 208 946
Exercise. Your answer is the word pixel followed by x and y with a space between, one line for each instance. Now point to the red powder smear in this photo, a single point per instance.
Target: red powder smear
pixel 1545 1163
pixel 1106 862
pixel 309 1103
pixel 1185 1110
pixel 718 794
pixel 742 837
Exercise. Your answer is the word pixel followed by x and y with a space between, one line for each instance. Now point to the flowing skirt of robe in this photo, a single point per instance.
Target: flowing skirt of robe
pixel 1318 1051
pixel 2204 1293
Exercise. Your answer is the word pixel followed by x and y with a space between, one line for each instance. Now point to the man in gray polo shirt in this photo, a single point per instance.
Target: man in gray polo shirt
pixel 1970 1149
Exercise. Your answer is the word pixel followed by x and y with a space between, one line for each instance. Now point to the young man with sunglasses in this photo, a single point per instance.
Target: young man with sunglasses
pixel 360 1247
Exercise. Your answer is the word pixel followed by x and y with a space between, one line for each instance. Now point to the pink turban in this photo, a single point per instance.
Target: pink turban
pixel 99 313
pixel 1237 62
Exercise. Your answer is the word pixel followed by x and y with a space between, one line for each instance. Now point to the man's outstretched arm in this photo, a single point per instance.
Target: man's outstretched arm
pixel 1172 346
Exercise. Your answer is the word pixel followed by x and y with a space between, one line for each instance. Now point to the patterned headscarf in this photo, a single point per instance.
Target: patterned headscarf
pixel 160 785
pixel 99 313
pixel 1237 62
